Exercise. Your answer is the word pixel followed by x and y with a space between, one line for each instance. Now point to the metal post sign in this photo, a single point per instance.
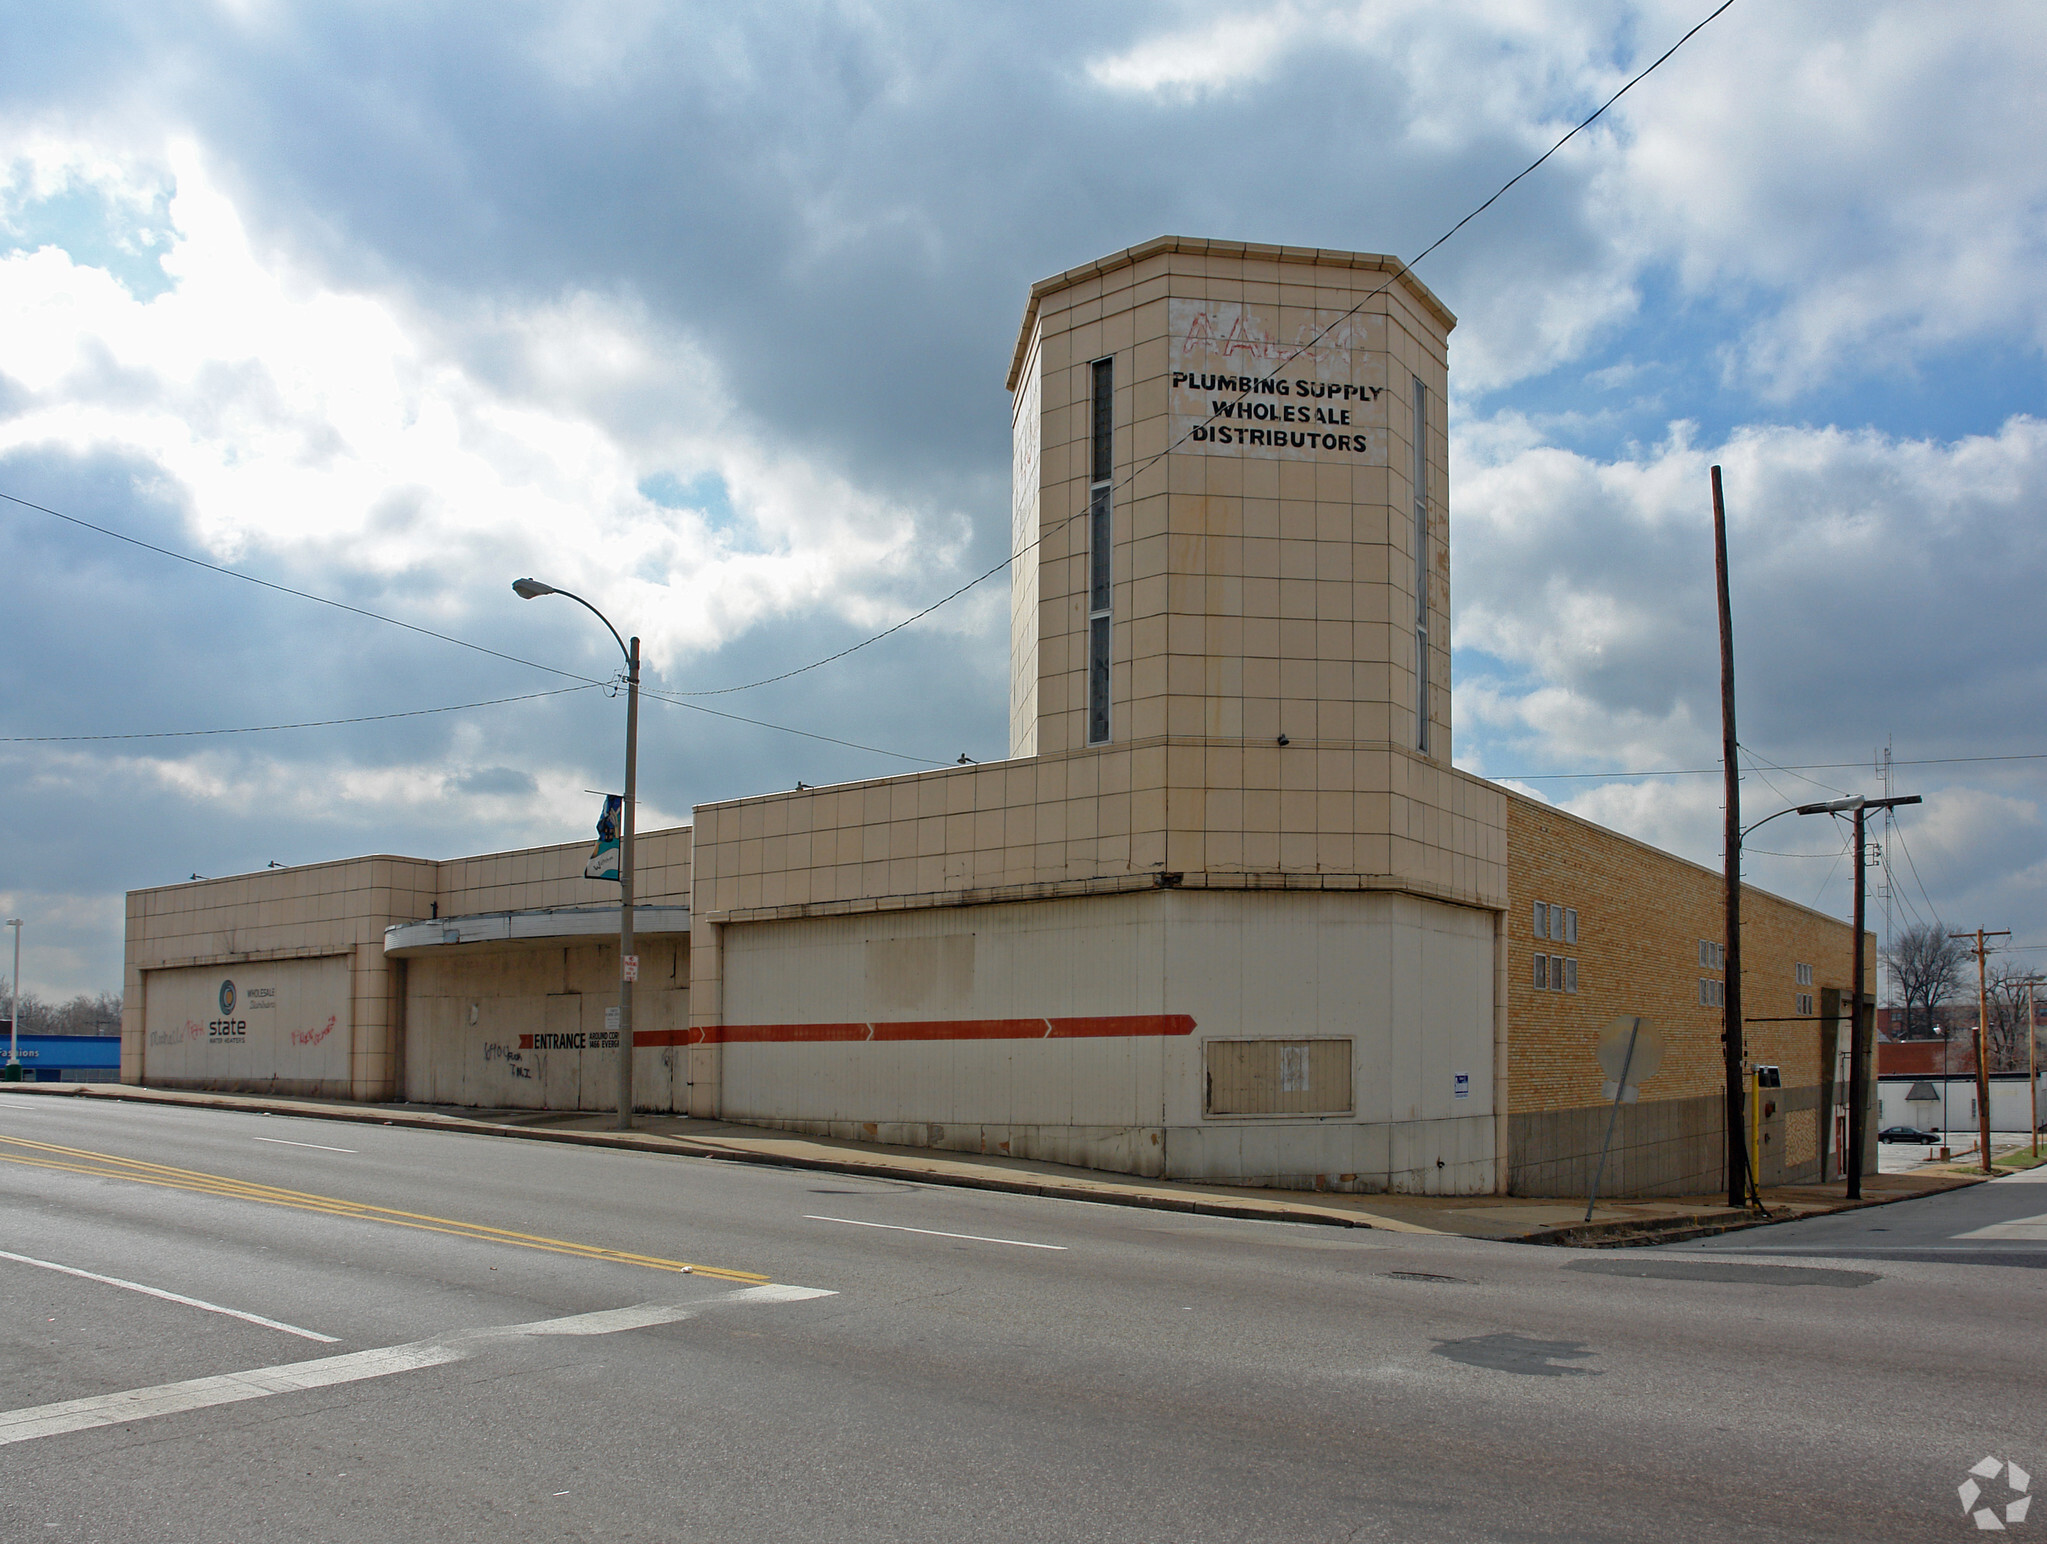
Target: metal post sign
pixel 1629 1052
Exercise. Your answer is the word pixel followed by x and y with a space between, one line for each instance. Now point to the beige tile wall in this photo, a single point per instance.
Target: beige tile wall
pixel 344 907
pixel 1252 597
pixel 1196 808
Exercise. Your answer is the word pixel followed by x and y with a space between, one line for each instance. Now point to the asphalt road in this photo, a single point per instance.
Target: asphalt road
pixel 933 1363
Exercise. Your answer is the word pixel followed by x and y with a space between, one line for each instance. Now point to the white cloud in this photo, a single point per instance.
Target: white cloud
pixel 298 420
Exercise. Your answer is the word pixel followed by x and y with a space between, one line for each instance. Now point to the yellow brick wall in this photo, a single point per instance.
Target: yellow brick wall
pixel 1641 914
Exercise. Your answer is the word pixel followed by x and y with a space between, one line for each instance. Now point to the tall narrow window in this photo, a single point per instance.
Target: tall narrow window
pixel 1101 576
pixel 1421 566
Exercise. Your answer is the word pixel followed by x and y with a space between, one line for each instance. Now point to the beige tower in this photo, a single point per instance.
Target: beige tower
pixel 1231 503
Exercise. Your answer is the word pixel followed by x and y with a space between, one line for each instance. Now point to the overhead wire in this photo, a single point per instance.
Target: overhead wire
pixel 1809 766
pixel 1791 772
pixel 1403 271
pixel 584 683
pixel 317 723
pixel 677 698
pixel 1898 834
pixel 285 589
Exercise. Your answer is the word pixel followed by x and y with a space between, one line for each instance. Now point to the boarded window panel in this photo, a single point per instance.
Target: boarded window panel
pixel 1570 975
pixel 1541 919
pixel 1570 924
pixel 1279 1077
pixel 1556 972
pixel 1542 972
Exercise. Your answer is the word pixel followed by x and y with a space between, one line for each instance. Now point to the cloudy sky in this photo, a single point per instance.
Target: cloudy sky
pixel 704 311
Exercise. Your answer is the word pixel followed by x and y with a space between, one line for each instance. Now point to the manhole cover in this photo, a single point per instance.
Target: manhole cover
pixel 1734 1272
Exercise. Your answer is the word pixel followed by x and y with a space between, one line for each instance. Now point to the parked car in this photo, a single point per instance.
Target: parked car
pixel 1907 1134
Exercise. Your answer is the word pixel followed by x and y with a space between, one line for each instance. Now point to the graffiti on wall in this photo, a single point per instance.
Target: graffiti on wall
pixel 511 1056
pixel 315 1036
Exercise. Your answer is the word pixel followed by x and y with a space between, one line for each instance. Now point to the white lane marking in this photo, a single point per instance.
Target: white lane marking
pixel 320 1146
pixel 977 1238
pixel 70 1415
pixel 203 1393
pixel 169 1297
pixel 2017 1227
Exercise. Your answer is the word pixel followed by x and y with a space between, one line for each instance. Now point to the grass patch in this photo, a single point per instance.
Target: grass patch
pixel 2021 1158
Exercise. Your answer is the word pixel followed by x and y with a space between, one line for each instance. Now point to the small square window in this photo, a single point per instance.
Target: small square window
pixel 1542 972
pixel 1570 924
pixel 1541 920
pixel 1570 975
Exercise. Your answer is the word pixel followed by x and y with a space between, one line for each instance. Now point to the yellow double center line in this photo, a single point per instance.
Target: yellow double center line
pixel 78 1160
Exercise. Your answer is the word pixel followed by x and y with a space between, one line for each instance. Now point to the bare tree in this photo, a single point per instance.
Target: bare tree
pixel 2006 1029
pixel 85 1014
pixel 1927 965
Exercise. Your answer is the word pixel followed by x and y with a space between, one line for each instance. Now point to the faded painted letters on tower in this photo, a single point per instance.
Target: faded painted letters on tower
pixel 1277 382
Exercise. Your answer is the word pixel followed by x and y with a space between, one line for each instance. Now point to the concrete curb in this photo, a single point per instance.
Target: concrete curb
pixel 1616 1234
pixel 872 1168
pixel 1677 1230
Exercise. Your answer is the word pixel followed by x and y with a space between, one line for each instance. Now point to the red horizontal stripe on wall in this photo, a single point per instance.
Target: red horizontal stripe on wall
pixel 1123 1024
pixel 779 1034
pixel 642 1038
pixel 1106 1026
pixel 962 1029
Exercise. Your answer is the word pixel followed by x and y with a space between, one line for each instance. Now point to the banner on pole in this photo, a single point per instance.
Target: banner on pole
pixel 603 862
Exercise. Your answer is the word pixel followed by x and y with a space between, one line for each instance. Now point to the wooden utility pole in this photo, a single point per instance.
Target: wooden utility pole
pixel 2033 1071
pixel 1983 1035
pixel 1731 1035
pixel 1859 1015
pixel 1858 1044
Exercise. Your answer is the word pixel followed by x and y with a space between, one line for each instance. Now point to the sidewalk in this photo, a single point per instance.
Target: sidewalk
pixel 1505 1218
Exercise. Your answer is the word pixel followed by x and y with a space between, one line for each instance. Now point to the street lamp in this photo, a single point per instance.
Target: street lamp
pixel 628 961
pixel 14 1008
pixel 1858 1046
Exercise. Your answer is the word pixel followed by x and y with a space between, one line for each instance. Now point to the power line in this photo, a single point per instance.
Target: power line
pixel 1804 766
pixel 1405 269
pixel 697 707
pixel 285 589
pixel 1794 772
pixel 584 682
pixel 1898 835
pixel 317 723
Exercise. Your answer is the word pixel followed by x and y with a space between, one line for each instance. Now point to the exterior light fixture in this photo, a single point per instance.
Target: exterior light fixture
pixel 628 961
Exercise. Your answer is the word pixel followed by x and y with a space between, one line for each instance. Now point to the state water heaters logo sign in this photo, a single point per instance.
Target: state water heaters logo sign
pixel 227 1028
pixel 1277 383
pixel 2016 1484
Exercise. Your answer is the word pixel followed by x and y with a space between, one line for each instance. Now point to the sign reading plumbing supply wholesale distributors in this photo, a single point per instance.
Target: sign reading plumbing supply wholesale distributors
pixel 1241 385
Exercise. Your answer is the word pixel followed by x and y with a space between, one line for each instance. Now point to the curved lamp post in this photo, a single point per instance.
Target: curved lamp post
pixel 628 961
